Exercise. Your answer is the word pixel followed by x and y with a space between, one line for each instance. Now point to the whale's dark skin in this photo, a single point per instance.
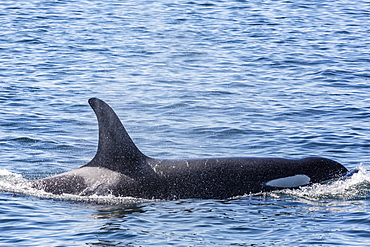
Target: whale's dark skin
pixel 120 169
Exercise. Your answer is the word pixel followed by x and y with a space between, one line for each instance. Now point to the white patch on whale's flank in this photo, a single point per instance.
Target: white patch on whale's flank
pixel 95 177
pixel 289 182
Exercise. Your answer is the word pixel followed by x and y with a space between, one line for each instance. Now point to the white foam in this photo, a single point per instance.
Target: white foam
pixel 5 172
pixel 11 182
pixel 355 187
pixel 15 183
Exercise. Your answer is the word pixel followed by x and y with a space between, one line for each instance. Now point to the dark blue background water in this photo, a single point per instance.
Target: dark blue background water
pixel 188 79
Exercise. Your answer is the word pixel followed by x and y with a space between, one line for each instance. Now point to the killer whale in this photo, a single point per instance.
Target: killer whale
pixel 119 168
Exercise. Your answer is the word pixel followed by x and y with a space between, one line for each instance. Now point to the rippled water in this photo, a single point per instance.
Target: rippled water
pixel 188 79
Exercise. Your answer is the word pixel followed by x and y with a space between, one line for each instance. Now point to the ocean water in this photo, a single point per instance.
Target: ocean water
pixel 282 78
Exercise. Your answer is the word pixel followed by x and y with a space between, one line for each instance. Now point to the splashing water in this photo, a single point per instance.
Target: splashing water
pixel 357 186
pixel 12 182
pixel 15 183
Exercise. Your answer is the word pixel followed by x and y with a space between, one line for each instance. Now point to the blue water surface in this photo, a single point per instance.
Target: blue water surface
pixel 282 78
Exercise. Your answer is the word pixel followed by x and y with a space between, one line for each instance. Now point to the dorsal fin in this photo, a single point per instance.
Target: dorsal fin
pixel 116 151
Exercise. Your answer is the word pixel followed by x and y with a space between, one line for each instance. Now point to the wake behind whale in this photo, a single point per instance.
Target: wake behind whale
pixel 120 169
